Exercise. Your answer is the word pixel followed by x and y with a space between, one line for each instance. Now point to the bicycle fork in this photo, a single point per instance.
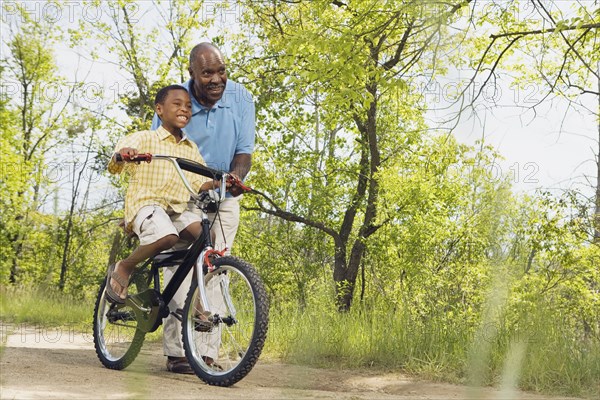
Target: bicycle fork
pixel 205 271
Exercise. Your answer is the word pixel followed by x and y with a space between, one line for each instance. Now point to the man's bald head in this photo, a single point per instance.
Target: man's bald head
pixel 202 50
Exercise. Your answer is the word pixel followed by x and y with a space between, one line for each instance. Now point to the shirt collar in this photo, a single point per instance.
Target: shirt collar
pixel 164 134
pixel 197 107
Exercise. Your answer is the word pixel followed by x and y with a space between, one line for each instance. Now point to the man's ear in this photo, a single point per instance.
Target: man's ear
pixel 159 110
pixel 191 72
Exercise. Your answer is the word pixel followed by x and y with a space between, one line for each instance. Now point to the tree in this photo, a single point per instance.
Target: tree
pixel 334 84
pixel 563 45
pixel 150 57
pixel 39 111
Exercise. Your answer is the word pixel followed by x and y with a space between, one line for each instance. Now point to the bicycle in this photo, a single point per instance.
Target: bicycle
pixel 241 323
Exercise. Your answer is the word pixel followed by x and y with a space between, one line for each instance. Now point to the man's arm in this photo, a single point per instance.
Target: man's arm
pixel 240 166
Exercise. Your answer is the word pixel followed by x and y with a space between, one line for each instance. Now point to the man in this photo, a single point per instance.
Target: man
pixel 223 128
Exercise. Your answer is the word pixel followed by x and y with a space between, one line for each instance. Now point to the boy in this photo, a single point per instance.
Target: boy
pixel 156 199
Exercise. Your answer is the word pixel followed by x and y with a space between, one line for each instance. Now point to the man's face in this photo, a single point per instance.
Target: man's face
pixel 210 76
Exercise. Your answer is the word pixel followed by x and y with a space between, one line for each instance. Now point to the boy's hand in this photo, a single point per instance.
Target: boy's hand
pixel 128 152
pixel 210 185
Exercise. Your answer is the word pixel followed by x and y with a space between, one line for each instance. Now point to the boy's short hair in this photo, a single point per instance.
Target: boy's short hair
pixel 162 93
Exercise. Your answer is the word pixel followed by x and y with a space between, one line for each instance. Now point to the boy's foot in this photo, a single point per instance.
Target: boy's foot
pixel 116 284
pixel 179 365
pixel 111 295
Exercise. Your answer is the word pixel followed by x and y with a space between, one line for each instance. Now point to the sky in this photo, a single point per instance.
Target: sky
pixel 551 149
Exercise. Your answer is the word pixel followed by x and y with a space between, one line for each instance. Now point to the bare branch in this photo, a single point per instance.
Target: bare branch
pixel 543 31
pixel 288 216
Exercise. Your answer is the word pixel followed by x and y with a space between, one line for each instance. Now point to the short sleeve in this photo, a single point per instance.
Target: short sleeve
pixel 156 122
pixel 245 140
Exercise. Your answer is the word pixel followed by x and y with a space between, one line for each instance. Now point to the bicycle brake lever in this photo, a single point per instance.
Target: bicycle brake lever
pixel 235 181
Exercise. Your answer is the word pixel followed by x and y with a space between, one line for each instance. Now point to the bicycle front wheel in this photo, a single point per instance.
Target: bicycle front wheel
pixel 222 346
pixel 117 339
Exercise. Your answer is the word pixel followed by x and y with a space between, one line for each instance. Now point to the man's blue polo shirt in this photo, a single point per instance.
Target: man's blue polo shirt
pixel 223 131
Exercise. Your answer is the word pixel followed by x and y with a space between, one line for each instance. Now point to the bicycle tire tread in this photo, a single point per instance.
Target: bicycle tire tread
pixel 260 331
pixel 131 353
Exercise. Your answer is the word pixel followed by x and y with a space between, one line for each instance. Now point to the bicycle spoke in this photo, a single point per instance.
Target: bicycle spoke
pixel 116 337
pixel 227 353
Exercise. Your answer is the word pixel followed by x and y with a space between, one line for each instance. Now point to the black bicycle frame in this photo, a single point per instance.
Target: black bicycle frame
pixel 192 254
pixel 186 265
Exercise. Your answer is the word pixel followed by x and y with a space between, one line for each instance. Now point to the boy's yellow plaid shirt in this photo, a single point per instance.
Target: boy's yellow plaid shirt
pixel 157 182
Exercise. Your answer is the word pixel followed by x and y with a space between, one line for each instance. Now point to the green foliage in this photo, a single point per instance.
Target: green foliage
pixel 125 32
pixel 458 278
pixel 335 102
pixel 44 306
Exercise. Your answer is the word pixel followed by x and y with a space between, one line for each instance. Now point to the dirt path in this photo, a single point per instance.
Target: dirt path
pixel 58 364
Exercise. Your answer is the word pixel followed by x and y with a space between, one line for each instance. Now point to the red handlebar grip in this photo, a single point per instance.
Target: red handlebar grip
pixel 140 157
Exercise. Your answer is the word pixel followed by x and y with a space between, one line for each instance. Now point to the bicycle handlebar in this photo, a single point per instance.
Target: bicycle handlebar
pixel 188 165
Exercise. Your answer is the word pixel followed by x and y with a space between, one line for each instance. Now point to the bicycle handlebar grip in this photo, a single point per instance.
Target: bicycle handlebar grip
pixel 191 166
pixel 140 157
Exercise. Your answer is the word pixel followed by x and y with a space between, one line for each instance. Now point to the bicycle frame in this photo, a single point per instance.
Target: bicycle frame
pixel 194 255
pixel 225 315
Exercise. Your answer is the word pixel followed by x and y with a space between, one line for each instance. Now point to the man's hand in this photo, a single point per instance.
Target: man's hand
pixel 232 188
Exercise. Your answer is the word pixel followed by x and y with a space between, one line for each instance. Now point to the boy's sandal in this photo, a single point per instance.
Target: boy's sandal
pixel 111 295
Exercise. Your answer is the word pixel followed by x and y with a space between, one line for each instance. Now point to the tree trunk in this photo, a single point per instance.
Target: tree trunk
pixel 597 208
pixel 345 286
pixel 115 248
pixel 14 268
pixel 74 197
pixel 65 253
pixel 17 241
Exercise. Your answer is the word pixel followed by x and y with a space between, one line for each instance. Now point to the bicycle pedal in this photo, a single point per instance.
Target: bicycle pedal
pixel 203 326
pixel 178 314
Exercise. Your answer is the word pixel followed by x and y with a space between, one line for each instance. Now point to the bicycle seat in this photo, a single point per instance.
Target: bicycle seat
pixel 169 257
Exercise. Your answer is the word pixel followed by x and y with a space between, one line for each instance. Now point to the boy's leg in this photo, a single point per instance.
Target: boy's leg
pixel 155 236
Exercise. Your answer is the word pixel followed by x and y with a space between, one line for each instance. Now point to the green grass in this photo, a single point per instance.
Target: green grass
pixel 386 341
pixel 50 308
pixel 547 357
pixel 43 307
pixel 548 360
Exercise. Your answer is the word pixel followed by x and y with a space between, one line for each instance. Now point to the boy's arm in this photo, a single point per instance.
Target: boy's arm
pixel 127 145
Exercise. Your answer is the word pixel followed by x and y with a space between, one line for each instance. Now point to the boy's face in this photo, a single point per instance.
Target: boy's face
pixel 176 110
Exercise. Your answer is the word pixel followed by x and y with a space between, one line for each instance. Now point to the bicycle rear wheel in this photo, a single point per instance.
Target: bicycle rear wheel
pixel 117 338
pixel 238 323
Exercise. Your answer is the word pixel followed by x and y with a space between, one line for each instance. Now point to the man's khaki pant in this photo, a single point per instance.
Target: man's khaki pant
pixel 228 219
